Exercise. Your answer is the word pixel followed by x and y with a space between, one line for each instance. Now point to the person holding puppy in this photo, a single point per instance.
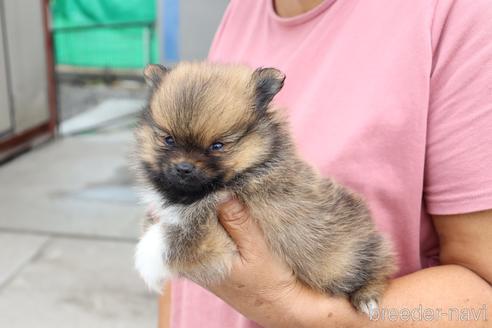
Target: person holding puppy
pixel 394 100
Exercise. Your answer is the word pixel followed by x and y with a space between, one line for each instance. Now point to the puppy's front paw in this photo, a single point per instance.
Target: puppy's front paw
pixel 149 258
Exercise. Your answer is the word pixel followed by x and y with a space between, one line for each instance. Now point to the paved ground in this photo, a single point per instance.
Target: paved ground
pixel 68 226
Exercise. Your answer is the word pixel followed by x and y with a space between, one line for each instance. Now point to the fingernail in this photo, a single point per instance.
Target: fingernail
pixel 234 206
pixel 223 197
pixel 233 211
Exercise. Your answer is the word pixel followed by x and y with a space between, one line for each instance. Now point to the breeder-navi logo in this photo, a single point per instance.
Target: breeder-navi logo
pixel 428 314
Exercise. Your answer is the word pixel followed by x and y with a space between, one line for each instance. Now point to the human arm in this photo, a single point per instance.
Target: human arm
pixel 164 316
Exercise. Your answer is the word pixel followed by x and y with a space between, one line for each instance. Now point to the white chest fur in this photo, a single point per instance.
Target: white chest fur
pixel 151 250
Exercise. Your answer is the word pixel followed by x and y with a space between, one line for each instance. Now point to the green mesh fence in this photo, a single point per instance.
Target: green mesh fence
pixel 104 33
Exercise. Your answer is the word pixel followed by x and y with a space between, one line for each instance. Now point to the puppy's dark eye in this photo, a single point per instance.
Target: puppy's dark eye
pixel 216 146
pixel 170 141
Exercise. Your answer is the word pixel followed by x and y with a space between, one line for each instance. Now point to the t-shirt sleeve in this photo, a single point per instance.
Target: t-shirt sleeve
pixel 458 168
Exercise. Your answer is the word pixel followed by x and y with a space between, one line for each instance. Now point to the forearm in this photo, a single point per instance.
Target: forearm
pixel 450 292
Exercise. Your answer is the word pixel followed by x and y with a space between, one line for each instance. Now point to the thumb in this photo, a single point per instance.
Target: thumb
pixel 243 229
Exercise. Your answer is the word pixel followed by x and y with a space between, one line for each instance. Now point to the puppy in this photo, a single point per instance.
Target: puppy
pixel 212 128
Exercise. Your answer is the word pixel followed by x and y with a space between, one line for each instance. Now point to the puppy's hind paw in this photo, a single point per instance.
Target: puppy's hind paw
pixel 366 299
pixel 370 307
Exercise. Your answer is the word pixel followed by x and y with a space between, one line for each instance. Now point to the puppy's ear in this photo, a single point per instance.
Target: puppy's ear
pixel 154 74
pixel 268 82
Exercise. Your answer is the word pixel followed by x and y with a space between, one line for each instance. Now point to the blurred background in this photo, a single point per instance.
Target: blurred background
pixel 70 92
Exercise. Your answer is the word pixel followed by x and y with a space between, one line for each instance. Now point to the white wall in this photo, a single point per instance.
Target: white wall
pixel 199 20
pixel 5 120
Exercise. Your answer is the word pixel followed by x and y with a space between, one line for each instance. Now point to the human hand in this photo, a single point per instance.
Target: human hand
pixel 261 286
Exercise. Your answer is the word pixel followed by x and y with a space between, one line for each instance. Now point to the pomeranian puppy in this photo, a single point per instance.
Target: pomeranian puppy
pixel 211 128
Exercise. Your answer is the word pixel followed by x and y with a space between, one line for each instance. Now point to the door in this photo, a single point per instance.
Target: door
pixel 5 108
pixel 26 56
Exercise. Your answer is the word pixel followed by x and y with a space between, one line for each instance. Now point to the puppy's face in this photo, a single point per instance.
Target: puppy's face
pixel 204 126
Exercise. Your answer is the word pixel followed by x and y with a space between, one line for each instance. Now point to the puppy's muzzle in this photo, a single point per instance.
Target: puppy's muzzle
pixel 184 169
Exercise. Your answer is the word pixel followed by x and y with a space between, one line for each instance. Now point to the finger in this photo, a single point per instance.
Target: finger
pixel 236 220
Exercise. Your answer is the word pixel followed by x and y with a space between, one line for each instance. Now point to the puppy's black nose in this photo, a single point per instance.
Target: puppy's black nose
pixel 184 168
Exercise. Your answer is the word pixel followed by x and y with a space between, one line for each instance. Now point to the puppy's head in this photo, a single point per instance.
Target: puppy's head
pixel 205 125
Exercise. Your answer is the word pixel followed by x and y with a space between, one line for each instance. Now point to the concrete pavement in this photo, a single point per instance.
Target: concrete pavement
pixel 69 220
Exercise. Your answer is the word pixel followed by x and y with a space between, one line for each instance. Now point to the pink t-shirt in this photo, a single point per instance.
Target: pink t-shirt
pixel 392 98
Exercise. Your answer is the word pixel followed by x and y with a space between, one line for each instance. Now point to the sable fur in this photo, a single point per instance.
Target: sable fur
pixel 320 229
